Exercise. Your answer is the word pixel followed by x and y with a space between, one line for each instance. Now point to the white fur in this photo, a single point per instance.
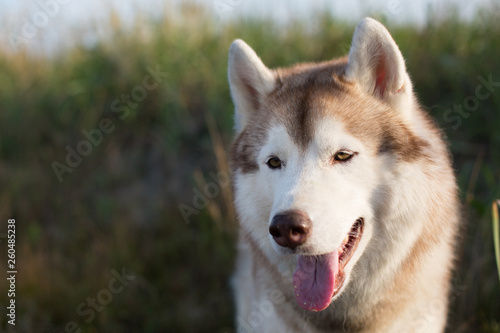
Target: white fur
pixel 333 197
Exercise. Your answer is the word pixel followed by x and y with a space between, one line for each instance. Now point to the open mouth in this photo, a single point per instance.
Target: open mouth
pixel 318 279
pixel 346 251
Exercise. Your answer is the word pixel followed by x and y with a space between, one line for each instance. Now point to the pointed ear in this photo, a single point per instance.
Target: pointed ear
pixel 376 63
pixel 249 80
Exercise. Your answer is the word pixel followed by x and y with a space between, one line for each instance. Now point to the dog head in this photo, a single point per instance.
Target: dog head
pixel 314 144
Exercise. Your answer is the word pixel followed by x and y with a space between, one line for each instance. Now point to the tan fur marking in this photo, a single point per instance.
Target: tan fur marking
pixel 305 94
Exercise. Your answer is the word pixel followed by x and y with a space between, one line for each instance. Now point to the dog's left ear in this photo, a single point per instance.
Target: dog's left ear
pixel 249 80
pixel 376 63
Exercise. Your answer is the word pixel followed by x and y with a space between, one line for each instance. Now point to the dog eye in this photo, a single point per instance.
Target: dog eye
pixel 343 156
pixel 274 163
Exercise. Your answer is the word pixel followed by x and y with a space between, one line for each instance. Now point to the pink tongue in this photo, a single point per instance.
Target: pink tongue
pixel 314 280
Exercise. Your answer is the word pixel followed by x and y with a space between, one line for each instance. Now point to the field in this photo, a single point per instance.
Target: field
pixel 113 163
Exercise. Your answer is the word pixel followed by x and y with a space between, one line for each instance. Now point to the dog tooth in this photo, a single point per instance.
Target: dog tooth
pixel 346 239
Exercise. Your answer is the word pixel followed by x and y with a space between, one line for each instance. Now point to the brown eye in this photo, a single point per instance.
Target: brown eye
pixel 343 156
pixel 274 163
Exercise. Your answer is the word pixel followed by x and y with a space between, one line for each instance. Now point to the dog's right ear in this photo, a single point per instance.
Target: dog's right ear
pixel 249 80
pixel 376 63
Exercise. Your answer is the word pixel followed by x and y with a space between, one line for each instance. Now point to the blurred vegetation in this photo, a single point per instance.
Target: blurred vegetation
pixel 119 208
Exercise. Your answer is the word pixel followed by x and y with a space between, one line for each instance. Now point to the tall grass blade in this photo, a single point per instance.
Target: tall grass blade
pixel 222 166
pixel 496 234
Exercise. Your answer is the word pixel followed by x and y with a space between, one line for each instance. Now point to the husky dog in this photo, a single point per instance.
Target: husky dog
pixel 345 195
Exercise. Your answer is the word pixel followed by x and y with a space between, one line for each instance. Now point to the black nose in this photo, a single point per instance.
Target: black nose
pixel 291 228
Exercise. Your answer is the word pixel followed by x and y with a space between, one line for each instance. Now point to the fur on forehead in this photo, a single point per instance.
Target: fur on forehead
pixel 307 93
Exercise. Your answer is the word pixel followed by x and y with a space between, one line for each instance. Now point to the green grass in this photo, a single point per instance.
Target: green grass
pixel 496 234
pixel 119 206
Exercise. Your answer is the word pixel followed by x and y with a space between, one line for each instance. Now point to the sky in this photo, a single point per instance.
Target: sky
pixel 44 25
